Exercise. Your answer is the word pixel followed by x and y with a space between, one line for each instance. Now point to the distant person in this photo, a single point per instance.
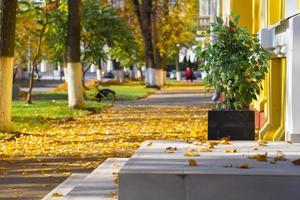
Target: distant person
pixel 192 75
pixel 188 74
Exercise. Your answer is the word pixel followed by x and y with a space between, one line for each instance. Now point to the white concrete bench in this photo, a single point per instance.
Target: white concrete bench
pixel 153 174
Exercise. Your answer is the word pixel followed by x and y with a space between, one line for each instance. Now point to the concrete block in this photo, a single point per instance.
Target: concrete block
pixel 153 174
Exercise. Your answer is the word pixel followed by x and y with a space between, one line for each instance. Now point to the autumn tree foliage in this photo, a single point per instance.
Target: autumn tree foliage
pixel 163 27
pixel 32 28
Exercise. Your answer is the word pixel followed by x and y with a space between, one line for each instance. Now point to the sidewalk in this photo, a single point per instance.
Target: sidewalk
pixel 117 132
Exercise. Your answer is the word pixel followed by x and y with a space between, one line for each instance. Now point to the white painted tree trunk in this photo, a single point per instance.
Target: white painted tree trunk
pixel 6 80
pixel 131 74
pixel 150 77
pixel 138 75
pixel 75 90
pixel 135 72
pixel 66 74
pixel 159 78
pixel 93 68
pixel 178 75
pixel 110 66
pixel 119 76
pixel 99 74
pixel 43 65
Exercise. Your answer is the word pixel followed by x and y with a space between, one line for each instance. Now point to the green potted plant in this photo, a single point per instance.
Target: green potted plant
pixel 235 65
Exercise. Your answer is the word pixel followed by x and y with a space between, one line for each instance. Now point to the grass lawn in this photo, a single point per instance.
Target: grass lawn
pixel 124 92
pixel 44 113
pixel 51 108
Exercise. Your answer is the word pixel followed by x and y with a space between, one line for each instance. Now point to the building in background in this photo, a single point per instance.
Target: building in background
pixel 277 22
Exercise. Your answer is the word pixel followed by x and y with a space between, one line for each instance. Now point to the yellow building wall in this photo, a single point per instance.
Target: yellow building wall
pixel 275 84
pixel 244 9
pixel 272 99
pixel 250 12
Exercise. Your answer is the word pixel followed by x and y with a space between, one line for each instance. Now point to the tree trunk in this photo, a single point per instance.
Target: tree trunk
pixel 99 71
pixel 74 67
pixel 31 80
pixel 7 39
pixel 119 73
pixel 65 72
pixel 84 71
pixel 144 13
pixel 34 64
pixel 99 74
pixel 65 67
pixel 178 72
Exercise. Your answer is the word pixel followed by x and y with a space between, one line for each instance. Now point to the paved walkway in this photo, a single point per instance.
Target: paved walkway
pixel 168 114
pixel 192 97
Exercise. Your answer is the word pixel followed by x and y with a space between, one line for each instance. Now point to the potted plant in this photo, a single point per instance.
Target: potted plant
pixel 235 65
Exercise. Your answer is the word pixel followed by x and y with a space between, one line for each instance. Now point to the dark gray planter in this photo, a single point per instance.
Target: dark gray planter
pixel 238 125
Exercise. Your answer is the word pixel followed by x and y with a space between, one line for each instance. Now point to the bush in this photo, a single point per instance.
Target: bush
pixel 234 62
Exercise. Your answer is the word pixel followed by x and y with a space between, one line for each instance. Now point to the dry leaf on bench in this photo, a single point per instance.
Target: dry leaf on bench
pixel 259 157
pixel 244 166
pixel 192 163
pixel 296 162
pixel 230 151
pixel 191 154
pixel 57 195
pixel 225 140
pixel 171 149
pixel 279 156
pixel 204 150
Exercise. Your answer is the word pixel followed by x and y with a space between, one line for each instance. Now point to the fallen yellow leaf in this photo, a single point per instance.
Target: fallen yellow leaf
pixel 171 149
pixel 57 195
pixel 192 163
pixel 225 140
pixel 244 166
pixel 191 154
pixel 204 150
pixel 230 151
pixel 259 157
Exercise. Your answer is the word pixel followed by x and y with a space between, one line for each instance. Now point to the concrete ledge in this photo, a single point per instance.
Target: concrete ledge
pixel 152 173
pixel 65 187
pixel 295 137
pixel 99 185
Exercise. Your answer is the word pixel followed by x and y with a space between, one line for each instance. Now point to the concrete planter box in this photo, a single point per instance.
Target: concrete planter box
pixel 238 125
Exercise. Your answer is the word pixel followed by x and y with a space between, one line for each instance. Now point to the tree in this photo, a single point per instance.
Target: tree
pixel 102 26
pixel 32 25
pixel 177 26
pixel 56 35
pixel 74 67
pixel 144 13
pixel 170 25
pixel 7 38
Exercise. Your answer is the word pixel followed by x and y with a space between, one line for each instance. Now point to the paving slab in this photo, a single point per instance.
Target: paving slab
pixel 151 173
pixel 99 185
pixel 192 97
pixel 65 187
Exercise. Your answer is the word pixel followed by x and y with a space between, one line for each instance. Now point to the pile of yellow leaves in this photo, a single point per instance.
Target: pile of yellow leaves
pixel 116 132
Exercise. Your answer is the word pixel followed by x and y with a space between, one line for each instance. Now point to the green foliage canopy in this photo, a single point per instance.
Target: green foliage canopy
pixel 234 62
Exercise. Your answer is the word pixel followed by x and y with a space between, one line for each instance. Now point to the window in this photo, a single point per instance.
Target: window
pixel 204 7
pixel 264 12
